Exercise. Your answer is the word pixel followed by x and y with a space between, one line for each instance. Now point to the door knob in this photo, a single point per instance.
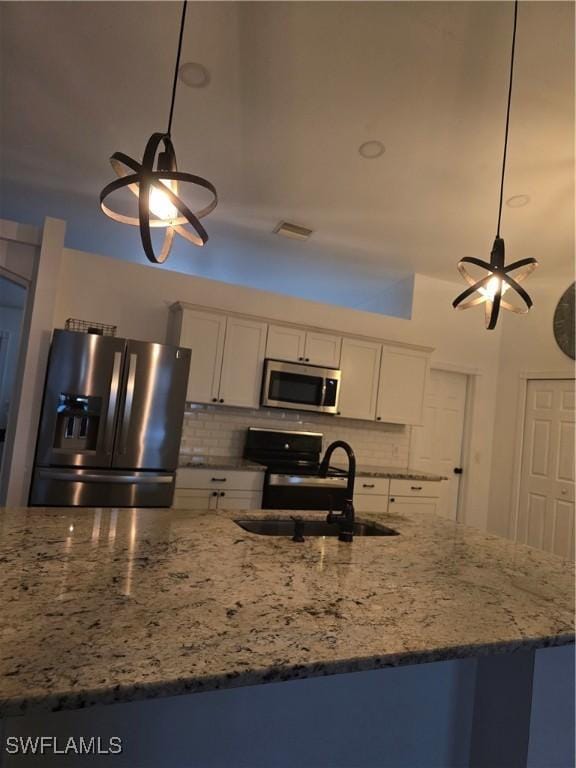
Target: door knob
pixel 458 470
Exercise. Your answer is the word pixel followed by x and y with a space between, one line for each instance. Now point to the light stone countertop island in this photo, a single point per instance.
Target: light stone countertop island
pixel 102 606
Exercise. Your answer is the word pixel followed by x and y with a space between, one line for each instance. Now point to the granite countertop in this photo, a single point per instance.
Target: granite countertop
pixel 397 473
pixel 219 462
pixel 102 606
pixel 238 463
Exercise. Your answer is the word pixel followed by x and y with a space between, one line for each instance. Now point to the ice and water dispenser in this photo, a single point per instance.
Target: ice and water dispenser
pixel 77 422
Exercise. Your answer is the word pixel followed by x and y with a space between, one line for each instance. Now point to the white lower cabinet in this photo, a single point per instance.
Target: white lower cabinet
pixel 218 489
pixel 371 494
pixel 379 495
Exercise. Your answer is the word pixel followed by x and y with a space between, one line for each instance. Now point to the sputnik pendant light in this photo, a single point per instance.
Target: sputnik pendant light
pixel 157 189
pixel 489 289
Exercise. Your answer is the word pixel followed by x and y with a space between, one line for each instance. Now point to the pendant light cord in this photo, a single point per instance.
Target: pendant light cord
pixel 507 118
pixel 175 83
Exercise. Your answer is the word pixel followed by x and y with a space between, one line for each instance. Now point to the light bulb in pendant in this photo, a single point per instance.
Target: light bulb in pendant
pixel 491 289
pixel 159 203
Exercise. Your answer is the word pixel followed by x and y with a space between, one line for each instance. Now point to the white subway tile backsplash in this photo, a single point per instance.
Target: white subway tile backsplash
pixel 216 431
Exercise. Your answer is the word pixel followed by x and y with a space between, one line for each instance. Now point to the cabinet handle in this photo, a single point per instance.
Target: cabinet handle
pixel 214 493
pixel 221 400
pixel 214 399
pixel 415 487
pixel 222 493
pixel 378 418
pixel 301 359
pixel 392 499
pixel 367 485
pixel 218 480
pixel 307 359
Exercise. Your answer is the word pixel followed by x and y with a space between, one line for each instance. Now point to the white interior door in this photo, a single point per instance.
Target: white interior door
pixel 546 508
pixel 436 446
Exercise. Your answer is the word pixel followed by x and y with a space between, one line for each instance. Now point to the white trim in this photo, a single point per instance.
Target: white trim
pixel 455 368
pixel 525 375
pixel 524 378
pixel 20 233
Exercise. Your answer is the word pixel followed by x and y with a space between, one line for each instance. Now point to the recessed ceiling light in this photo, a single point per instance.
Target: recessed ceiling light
pixel 371 149
pixel 194 75
pixel 294 231
pixel 518 201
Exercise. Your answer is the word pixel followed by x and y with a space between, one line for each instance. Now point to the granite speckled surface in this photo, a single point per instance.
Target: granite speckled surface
pixel 397 473
pixel 219 462
pixel 102 606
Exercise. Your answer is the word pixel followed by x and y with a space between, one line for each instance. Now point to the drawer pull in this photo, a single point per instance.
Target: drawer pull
pixel 368 485
pixel 415 487
pixel 218 480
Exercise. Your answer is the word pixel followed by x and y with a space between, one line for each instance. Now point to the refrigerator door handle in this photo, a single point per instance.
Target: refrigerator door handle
pixel 125 423
pixel 70 477
pixel 113 402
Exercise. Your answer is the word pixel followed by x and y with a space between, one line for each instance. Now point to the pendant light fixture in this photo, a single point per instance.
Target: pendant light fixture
pixel 490 289
pixel 159 204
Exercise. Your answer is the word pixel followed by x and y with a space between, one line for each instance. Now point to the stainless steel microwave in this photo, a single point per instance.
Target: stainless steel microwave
pixel 301 387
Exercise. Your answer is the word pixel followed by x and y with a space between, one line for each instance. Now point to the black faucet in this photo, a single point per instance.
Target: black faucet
pixel 345 518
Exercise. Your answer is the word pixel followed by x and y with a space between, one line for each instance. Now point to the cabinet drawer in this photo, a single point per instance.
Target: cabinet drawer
pixel 428 488
pixel 217 479
pixel 375 503
pixel 372 485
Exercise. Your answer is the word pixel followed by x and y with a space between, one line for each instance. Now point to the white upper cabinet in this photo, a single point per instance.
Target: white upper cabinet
pixel 244 352
pixel 203 332
pixel 286 343
pixel 301 346
pixel 323 349
pixel 227 355
pixel 403 376
pixel 360 364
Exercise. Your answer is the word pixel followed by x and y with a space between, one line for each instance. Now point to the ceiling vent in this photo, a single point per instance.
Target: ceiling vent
pixel 296 232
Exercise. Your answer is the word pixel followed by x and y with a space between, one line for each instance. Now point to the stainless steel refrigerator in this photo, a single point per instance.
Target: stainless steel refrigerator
pixel 111 422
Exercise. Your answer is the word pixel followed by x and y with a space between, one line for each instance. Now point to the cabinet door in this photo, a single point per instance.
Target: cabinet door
pixel 404 504
pixel 203 333
pixel 359 383
pixel 231 500
pixel 285 343
pixel 403 375
pixel 370 502
pixel 323 349
pixel 244 351
pixel 186 498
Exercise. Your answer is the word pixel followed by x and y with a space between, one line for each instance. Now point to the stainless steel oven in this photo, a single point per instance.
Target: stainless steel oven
pixel 301 387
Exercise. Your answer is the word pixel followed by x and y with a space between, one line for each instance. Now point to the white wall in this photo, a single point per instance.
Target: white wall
pixel 136 298
pixel 528 347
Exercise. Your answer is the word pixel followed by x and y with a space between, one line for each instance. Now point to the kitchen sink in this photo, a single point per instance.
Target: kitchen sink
pixel 284 526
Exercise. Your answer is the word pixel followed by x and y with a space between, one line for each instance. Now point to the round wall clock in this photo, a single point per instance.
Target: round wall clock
pixel 564 320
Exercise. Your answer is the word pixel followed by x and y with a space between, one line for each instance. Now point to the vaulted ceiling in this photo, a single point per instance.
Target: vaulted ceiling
pixel 295 88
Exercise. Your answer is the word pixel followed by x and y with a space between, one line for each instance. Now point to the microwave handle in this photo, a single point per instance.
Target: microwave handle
pixel 323 400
